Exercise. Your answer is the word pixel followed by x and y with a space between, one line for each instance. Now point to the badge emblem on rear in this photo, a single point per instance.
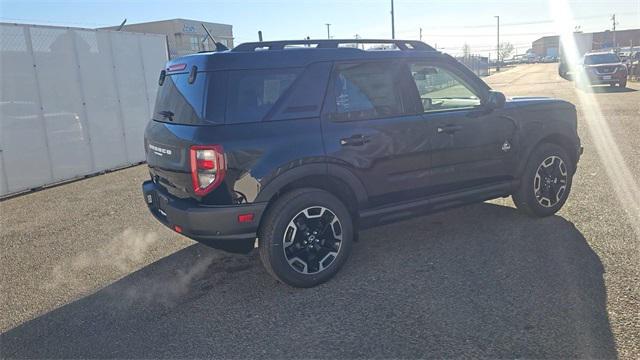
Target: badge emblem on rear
pixel 506 146
pixel 160 151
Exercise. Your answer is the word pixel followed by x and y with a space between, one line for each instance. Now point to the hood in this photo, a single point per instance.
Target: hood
pixel 536 101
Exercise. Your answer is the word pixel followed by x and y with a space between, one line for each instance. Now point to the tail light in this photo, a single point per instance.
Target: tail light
pixel 207 167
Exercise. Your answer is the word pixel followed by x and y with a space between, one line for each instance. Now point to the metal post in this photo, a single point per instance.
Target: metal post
pixel 328 32
pixel 420 34
pixel 393 24
pixel 260 35
pixel 613 18
pixel 498 47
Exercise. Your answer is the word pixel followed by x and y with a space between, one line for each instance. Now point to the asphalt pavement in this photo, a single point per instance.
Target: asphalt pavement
pixel 88 273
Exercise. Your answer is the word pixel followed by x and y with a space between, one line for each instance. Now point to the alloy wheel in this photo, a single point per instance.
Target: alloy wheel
pixel 312 240
pixel 550 182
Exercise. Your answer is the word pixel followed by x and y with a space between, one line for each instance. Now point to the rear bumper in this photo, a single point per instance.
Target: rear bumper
pixel 613 78
pixel 199 222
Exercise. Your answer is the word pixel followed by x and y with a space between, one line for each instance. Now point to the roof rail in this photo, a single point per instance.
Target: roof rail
pixel 405 45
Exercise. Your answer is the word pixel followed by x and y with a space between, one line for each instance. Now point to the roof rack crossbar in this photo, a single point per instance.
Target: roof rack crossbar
pixel 404 45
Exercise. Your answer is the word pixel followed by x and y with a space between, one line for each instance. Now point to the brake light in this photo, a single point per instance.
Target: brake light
pixel 207 167
pixel 176 67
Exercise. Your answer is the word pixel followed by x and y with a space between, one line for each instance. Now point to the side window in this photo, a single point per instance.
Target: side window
pixel 366 91
pixel 251 94
pixel 440 89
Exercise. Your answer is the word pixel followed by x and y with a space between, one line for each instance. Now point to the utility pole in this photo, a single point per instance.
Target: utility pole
pixel 498 46
pixel 420 34
pixel 613 19
pixel 328 32
pixel 393 24
pixel 357 36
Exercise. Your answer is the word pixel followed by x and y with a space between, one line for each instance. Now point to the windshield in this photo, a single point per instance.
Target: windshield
pixel 601 59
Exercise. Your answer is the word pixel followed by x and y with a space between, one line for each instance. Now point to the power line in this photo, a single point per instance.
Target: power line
pixel 490 35
pixel 537 22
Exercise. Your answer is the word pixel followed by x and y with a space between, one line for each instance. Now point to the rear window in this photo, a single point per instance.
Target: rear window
pixel 238 96
pixel 252 93
pixel 180 102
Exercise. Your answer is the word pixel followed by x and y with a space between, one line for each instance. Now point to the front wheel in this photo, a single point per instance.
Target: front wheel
pixel 546 181
pixel 305 237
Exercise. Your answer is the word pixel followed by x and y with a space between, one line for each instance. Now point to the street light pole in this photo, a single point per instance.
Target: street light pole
pixel 498 46
pixel 393 24
pixel 328 32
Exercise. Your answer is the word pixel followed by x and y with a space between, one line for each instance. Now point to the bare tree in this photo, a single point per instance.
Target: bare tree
pixel 505 50
pixel 466 50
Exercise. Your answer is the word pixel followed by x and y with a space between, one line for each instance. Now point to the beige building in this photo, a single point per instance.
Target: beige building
pixel 185 36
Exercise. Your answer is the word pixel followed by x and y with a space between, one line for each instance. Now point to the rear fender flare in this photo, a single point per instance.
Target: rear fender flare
pixel 279 182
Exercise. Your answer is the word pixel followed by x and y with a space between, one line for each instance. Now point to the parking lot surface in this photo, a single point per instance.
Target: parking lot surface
pixel 87 272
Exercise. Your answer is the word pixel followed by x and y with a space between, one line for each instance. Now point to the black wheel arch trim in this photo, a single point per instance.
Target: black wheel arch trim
pixel 279 182
pixel 572 146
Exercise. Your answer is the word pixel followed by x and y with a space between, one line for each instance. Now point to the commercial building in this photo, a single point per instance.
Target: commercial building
pixel 185 36
pixel 548 45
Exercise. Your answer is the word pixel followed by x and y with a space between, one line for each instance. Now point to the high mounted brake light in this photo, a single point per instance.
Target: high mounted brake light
pixel 208 167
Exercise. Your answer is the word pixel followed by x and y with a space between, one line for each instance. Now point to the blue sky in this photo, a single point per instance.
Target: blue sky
pixel 449 24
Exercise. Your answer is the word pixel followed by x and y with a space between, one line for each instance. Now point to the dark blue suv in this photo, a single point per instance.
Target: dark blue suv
pixel 300 144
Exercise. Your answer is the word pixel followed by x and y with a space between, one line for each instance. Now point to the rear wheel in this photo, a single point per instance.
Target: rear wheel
pixel 546 181
pixel 306 237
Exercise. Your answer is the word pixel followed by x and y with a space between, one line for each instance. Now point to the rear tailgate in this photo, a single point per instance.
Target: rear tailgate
pixel 179 112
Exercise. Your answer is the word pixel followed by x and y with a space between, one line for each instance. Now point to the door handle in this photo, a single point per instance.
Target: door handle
pixel 354 140
pixel 449 129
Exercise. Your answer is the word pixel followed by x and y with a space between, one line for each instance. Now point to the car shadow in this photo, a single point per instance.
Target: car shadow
pixel 599 89
pixel 479 281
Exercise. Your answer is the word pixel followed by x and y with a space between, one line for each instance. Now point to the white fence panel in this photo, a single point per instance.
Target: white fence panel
pixel 73 101
pixel 25 156
pixel 133 94
pixel 61 97
pixel 106 129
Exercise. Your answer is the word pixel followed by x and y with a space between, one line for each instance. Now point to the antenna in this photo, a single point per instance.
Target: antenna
pixel 219 46
pixel 122 24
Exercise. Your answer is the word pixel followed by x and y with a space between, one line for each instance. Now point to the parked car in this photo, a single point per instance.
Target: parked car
pixel 301 148
pixel 603 68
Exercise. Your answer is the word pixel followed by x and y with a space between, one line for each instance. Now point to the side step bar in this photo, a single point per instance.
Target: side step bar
pixel 386 214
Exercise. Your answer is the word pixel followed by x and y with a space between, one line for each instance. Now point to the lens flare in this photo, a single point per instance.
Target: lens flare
pixel 621 178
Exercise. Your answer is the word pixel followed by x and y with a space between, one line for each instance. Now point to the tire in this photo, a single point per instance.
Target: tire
pixel 305 237
pixel 540 191
pixel 623 84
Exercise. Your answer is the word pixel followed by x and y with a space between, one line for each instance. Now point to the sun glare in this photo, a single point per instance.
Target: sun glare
pixel 624 185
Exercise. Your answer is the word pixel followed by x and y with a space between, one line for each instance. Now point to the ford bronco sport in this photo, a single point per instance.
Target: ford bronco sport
pixel 300 144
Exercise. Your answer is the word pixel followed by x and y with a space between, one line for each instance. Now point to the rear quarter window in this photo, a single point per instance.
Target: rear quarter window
pixel 251 94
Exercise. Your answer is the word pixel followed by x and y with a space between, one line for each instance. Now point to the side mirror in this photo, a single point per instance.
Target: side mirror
pixel 495 100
